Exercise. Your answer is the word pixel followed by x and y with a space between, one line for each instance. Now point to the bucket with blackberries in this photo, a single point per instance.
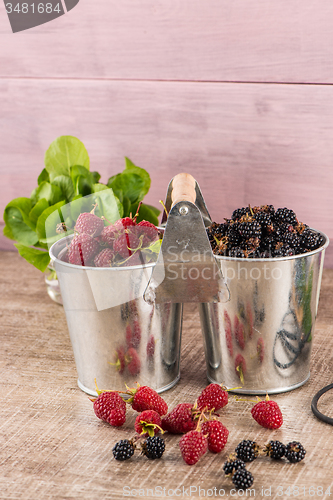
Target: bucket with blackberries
pixel 260 340
pixel 103 262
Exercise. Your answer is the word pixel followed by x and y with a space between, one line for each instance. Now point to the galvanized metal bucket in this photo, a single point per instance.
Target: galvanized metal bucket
pixel 261 339
pixel 116 336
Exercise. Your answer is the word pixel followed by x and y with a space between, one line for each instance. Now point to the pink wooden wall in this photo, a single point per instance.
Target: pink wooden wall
pixel 237 93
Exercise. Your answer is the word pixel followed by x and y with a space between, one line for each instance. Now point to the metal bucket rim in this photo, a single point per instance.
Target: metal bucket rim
pixel 89 268
pixel 278 259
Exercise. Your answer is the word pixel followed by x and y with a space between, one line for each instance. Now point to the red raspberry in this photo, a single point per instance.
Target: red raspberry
pixel 145 398
pixel 228 332
pixel 148 423
pixel 217 435
pixel 135 260
pixel 193 445
pixel 260 349
pixel 108 235
pixel 125 244
pixel 133 361
pixel 124 223
pixel 150 347
pixel 104 258
pixel 110 407
pixel 89 223
pixel 240 367
pixel 268 414
pixel 120 362
pixel 82 250
pixel 179 420
pixel 148 229
pixel 213 397
pixel 239 333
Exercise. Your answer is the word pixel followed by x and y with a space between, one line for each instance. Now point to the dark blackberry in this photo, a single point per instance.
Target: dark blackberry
pixel 283 251
pixel 247 450
pixel 236 252
pixel 293 240
pixel 153 447
pixel 242 479
pixel 250 229
pixel 275 450
pixel 123 450
pixel 285 215
pixel 268 209
pixel 234 238
pixel 311 240
pixel 295 452
pixel 264 219
pixel 232 465
pixel 239 212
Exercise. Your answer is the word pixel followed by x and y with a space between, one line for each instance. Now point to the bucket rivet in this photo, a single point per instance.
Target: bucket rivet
pixel 183 210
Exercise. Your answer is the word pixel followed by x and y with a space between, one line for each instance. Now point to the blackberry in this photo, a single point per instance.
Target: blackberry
pixel 250 229
pixel 311 240
pixel 242 479
pixel 295 452
pixel 285 215
pixel 239 212
pixel 264 219
pixel 247 450
pixel 234 238
pixel 284 251
pixel 123 450
pixel 275 450
pixel 153 447
pixel 293 240
pixel 268 209
pixel 232 465
pixel 236 252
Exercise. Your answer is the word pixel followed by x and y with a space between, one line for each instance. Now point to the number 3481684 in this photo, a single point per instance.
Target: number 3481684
pixel 33 8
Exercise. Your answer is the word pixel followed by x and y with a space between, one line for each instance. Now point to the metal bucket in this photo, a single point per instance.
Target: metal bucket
pixel 261 339
pixel 116 336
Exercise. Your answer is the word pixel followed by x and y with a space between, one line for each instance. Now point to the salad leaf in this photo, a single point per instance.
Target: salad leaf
pixel 50 192
pixel 19 225
pixel 37 210
pixel 65 183
pixel 37 258
pixel 43 176
pixel 146 212
pixel 41 229
pixel 64 153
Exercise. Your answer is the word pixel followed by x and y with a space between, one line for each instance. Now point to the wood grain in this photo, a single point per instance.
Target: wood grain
pixel 53 447
pixel 244 143
pixel 215 40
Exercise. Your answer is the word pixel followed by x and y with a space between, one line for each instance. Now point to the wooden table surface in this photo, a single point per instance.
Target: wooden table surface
pixel 53 446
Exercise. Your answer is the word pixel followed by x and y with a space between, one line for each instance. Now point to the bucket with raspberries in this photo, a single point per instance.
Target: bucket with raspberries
pixel 260 340
pixel 103 263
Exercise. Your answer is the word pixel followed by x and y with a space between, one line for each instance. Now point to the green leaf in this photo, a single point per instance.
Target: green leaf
pixel 96 176
pixel 145 213
pixel 16 217
pixel 99 187
pixel 130 167
pixel 37 258
pixel 64 153
pixel 7 232
pixel 131 184
pixel 108 205
pixel 83 180
pixel 127 206
pixel 65 183
pixel 155 210
pixel 43 176
pixel 52 193
pixel 45 231
pixel 38 209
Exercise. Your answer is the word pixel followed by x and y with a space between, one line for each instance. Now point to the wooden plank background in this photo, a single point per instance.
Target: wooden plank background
pixel 238 94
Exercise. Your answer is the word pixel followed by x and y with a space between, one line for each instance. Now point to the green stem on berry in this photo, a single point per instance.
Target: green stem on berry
pixel 165 210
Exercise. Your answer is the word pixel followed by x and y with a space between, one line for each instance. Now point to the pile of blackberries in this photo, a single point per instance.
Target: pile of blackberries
pixel 263 232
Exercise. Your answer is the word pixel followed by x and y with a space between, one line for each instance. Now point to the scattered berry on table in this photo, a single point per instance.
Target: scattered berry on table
pixel 89 223
pixel 247 450
pixel 145 398
pixel 217 435
pixel 153 447
pixel 193 445
pixel 148 422
pixel 110 407
pixel 123 450
pixel 275 450
pixel 268 414
pixel 179 420
pixel 233 464
pixel 242 479
pixel 295 452
pixel 82 250
pixel 213 397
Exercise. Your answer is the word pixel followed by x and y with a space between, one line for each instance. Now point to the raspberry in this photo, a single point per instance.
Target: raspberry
pixel 247 450
pixel 111 408
pixel 233 464
pixel 240 367
pixel 193 445
pixel 82 250
pixel 135 260
pixel 275 450
pixel 120 362
pixel 268 414
pixel 148 229
pixel 295 452
pixel 104 258
pixel 217 435
pixel 124 223
pixel 213 397
pixel 150 347
pixel 153 447
pixel 242 479
pixel 179 420
pixel 228 332
pixel 145 398
pixel 108 235
pixel 133 361
pixel 89 223
pixel 125 244
pixel 147 422
pixel 260 349
pixel 239 333
pixel 123 450
pixel 133 334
